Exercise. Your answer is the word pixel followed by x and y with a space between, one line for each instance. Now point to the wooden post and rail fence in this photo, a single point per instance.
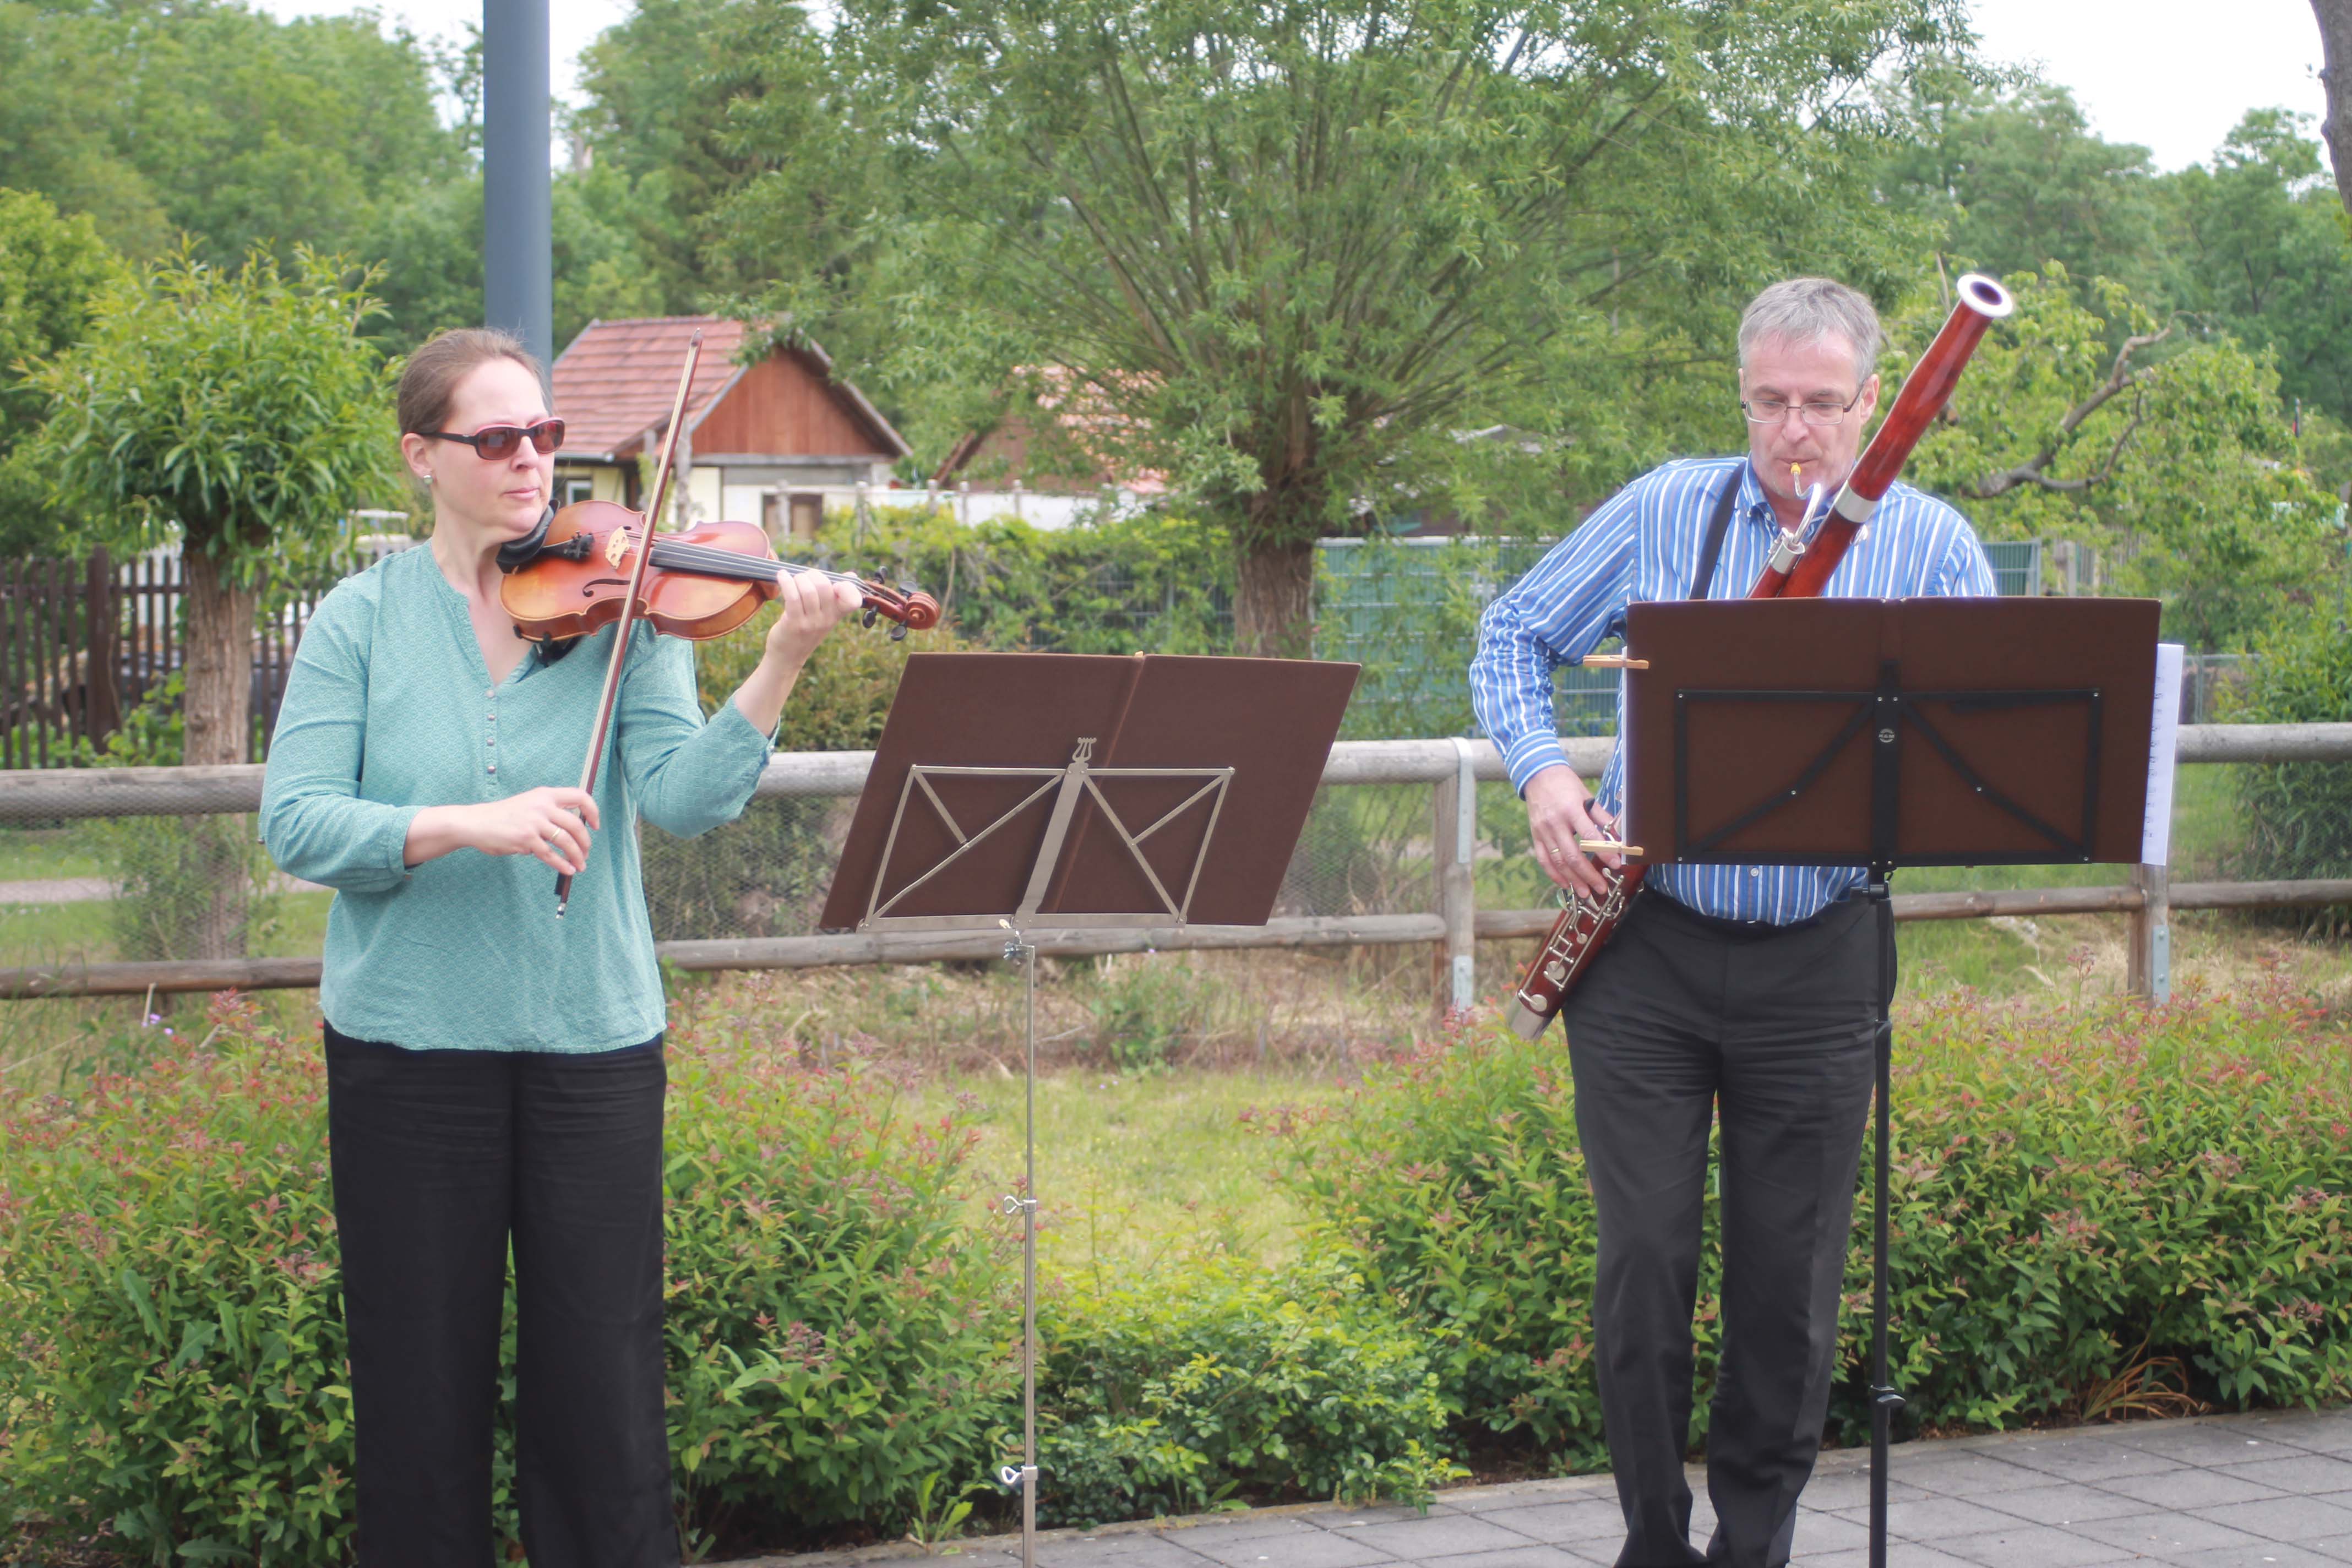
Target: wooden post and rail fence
pixel 1451 769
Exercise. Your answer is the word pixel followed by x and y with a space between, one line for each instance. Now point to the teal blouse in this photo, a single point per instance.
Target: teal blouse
pixel 389 709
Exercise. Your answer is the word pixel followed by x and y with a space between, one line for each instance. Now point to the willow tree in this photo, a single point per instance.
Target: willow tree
pixel 241 416
pixel 1291 251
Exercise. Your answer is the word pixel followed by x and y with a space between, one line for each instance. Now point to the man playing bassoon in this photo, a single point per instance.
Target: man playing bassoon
pixel 1745 991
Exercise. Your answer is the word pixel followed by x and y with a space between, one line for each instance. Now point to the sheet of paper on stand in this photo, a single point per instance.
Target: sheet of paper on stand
pixel 2163 739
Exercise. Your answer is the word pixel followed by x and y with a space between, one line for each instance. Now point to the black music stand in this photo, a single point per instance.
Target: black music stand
pixel 1053 798
pixel 1887 733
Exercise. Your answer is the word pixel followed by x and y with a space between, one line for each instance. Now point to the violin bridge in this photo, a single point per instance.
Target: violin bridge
pixel 617 547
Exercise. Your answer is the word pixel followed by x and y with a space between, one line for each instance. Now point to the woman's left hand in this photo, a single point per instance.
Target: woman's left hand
pixel 812 606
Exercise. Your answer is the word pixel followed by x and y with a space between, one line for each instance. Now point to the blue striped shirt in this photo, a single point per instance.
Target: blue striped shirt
pixel 1643 546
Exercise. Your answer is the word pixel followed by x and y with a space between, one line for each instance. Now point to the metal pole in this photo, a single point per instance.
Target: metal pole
pixel 1029 1271
pixel 1019 949
pixel 1456 831
pixel 2148 963
pixel 1884 1401
pixel 518 253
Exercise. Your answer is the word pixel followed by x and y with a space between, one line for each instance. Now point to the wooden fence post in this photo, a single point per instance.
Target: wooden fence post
pixel 2148 964
pixel 102 623
pixel 1454 833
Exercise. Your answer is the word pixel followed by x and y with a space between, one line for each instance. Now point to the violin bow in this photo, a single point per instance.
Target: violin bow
pixel 627 623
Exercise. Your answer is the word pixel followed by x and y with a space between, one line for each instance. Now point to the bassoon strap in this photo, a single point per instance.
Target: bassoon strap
pixel 1718 523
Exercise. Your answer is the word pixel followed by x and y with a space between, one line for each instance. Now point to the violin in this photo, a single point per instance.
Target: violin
pixel 699 583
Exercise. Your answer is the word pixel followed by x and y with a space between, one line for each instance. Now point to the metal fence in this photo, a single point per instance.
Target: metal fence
pixel 2207 682
pixel 1406 609
pixel 1383 860
pixel 2016 565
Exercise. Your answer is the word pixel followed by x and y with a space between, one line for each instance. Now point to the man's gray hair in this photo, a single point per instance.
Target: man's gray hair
pixel 1808 309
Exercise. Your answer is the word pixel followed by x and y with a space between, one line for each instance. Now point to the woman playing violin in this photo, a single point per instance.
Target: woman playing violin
pixel 495 1075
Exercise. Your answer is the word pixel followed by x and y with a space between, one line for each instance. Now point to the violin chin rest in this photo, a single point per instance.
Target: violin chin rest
pixel 516 553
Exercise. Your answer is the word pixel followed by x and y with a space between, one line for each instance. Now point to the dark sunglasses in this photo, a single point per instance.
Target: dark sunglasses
pixel 498 442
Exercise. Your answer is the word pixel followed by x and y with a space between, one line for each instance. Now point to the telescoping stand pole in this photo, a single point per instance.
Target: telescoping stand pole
pixel 1884 1401
pixel 1022 1477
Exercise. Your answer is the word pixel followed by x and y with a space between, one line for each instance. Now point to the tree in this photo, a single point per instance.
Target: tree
pixel 1296 249
pixel 2016 180
pixel 50 268
pixel 2169 452
pixel 2335 51
pixel 658 87
pixel 211 120
pixel 2261 249
pixel 431 254
pixel 241 413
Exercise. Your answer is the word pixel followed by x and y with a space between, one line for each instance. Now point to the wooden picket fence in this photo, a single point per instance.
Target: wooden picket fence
pixel 84 642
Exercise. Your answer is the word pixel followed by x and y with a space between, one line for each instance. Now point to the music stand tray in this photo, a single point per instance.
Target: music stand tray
pixel 1886 733
pixel 1018 792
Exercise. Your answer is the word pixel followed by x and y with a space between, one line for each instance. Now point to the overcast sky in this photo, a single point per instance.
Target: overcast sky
pixel 2170 75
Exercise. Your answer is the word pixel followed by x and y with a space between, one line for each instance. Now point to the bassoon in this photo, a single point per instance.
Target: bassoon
pixel 1797 568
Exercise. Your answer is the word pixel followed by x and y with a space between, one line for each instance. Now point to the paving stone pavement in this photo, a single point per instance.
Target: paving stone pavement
pixel 2226 1491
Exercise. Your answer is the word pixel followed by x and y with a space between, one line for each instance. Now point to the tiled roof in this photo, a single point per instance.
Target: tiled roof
pixel 616 382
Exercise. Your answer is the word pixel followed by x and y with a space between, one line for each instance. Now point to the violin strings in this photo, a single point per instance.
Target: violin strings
pixel 707 555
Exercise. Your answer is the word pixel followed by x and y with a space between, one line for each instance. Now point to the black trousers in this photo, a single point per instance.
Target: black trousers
pixel 1681 1020
pixel 440 1159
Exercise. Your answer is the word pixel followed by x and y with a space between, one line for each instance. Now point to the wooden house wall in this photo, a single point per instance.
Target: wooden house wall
pixel 782 405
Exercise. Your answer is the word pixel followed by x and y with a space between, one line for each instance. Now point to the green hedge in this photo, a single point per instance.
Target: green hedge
pixel 168 1290
pixel 1238 1383
pixel 2096 1204
pixel 1149 583
pixel 2298 815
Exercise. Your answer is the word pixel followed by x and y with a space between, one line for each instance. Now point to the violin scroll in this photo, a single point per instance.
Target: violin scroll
pixel 909 607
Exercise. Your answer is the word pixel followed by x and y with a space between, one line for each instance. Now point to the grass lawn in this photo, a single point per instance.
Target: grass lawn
pixel 44 854
pixel 1136 1173
pixel 85 932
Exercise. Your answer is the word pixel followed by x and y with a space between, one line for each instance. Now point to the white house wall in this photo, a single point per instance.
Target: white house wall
pixel 705 502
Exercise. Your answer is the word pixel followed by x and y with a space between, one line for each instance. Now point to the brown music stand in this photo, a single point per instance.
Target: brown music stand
pixel 1886 733
pixel 1023 792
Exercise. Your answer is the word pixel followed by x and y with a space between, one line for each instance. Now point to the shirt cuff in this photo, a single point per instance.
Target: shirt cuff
pixel 1531 755
pixel 736 729
pixel 388 852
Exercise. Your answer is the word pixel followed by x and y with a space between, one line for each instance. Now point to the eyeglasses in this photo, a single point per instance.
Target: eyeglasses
pixel 1817 410
pixel 497 443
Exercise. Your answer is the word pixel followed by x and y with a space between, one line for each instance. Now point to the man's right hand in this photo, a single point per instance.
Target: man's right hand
pixel 1559 814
